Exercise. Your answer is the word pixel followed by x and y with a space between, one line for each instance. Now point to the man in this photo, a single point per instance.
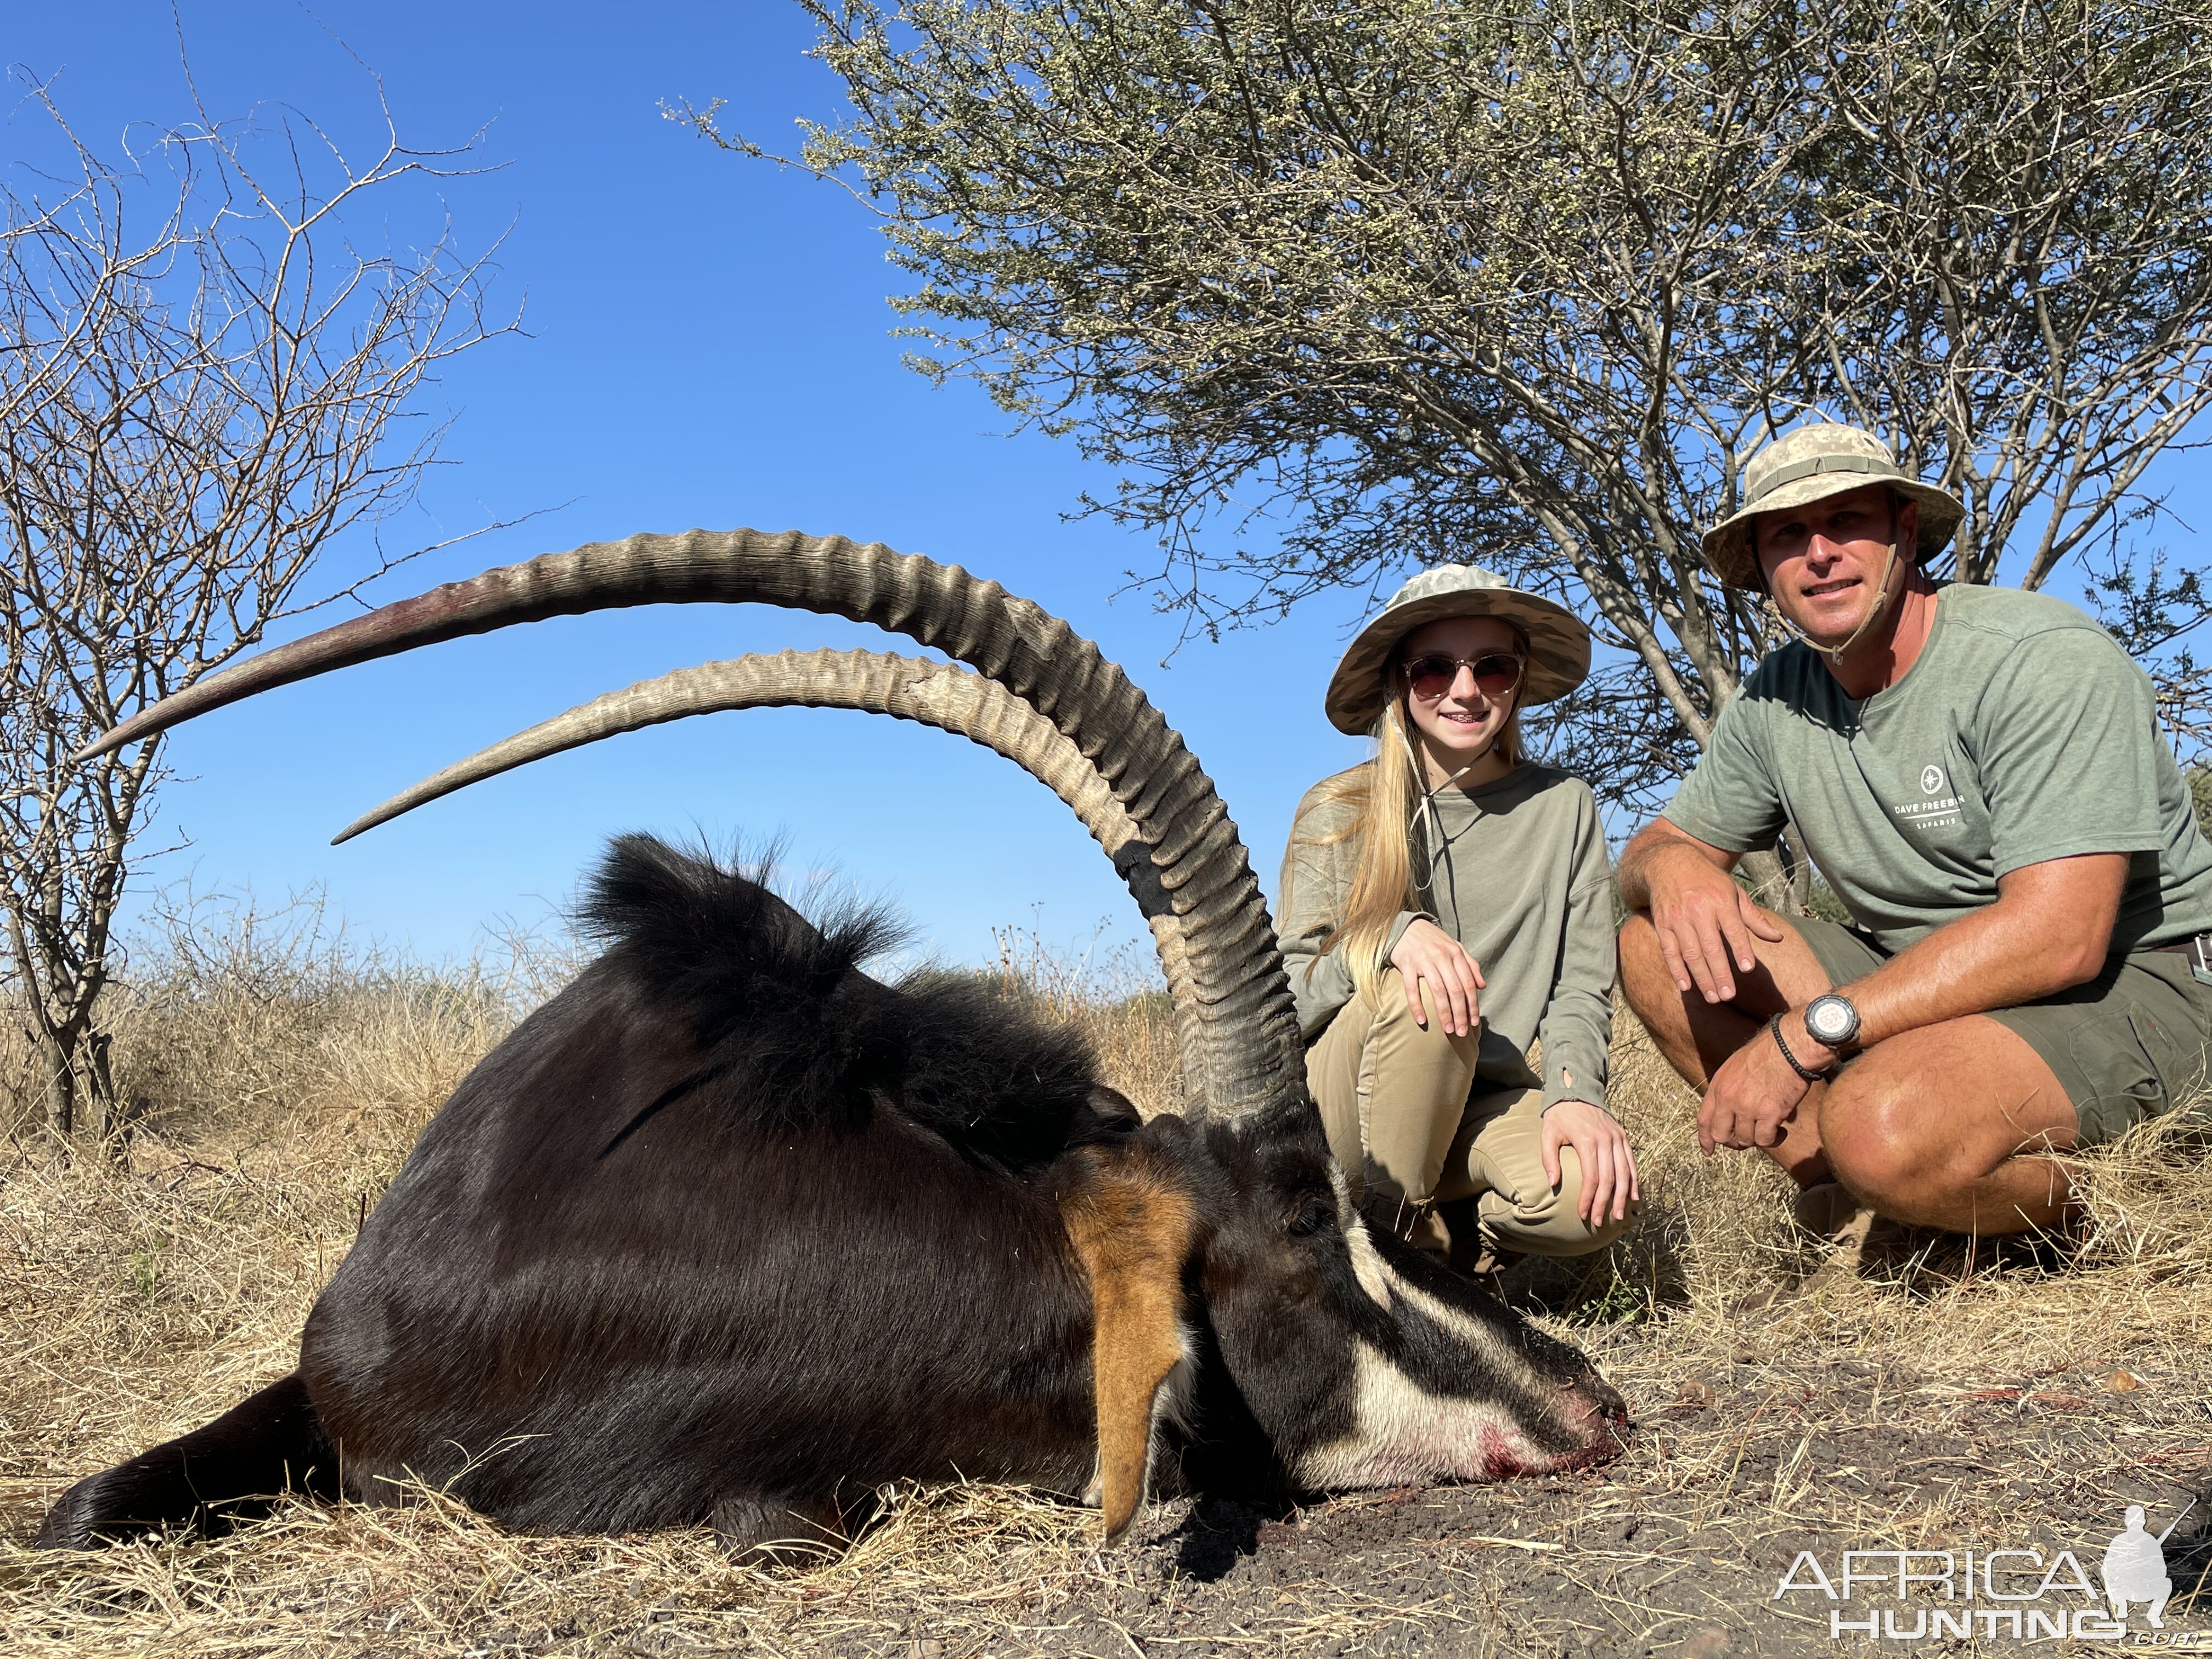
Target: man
pixel 1978 773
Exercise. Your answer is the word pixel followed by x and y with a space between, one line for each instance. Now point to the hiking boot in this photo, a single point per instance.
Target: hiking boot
pixel 1472 1253
pixel 1482 1257
pixel 1864 1245
pixel 1830 1221
pixel 1824 1211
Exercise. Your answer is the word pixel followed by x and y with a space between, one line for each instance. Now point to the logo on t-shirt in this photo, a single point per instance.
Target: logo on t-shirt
pixel 1939 810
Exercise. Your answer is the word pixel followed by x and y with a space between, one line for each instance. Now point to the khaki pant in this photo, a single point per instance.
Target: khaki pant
pixel 1411 1128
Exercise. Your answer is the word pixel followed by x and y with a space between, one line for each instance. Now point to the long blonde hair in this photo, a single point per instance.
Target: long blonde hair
pixel 1385 795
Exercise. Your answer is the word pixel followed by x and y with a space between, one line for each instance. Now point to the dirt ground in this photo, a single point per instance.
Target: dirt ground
pixel 1679 1548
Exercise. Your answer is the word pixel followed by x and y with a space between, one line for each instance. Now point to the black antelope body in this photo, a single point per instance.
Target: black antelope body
pixel 730 1231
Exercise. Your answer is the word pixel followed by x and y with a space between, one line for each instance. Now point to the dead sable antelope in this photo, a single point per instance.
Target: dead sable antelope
pixel 730 1231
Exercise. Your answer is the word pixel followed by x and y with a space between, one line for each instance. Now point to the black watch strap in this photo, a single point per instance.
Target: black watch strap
pixel 1795 1064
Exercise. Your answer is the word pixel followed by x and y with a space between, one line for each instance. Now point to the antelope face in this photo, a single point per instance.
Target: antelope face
pixel 1363 1364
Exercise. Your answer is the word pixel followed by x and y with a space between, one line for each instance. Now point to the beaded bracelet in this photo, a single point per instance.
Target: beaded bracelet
pixel 1796 1066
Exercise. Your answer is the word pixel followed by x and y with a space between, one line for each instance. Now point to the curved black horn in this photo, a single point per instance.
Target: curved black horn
pixel 1251 1056
pixel 910 688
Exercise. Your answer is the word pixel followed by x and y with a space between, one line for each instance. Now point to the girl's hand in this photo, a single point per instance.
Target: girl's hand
pixel 1608 1167
pixel 1425 951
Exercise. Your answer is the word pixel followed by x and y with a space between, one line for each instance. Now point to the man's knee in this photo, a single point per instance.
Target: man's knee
pixel 1883 1145
pixel 1647 982
pixel 1916 1123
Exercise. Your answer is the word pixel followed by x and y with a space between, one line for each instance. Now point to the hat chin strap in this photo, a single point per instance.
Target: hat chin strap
pixel 1421 770
pixel 1835 653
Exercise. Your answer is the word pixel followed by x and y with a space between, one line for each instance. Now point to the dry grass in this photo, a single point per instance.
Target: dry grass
pixel 283 1081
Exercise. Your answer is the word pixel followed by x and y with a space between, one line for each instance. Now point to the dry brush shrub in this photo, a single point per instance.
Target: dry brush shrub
pixel 143 1297
pixel 280 1078
pixel 1114 998
pixel 235 1021
pixel 210 373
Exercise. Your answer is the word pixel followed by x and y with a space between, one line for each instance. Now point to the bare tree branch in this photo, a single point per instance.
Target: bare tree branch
pixel 202 382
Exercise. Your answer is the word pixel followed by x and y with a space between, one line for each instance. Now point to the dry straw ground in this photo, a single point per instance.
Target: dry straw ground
pixel 2016 1400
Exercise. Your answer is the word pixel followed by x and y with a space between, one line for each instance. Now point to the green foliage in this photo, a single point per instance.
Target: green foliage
pixel 1337 287
pixel 143 1277
pixel 2200 796
pixel 2152 611
pixel 1620 1302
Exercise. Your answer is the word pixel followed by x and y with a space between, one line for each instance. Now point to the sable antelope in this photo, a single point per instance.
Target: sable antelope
pixel 730 1231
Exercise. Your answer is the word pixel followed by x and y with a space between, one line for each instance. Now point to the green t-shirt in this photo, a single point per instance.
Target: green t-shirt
pixel 2022 732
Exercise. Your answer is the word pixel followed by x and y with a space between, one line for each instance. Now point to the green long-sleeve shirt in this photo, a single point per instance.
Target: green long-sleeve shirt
pixel 1520 876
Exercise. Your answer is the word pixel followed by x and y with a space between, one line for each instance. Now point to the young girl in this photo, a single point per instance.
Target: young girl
pixel 1445 904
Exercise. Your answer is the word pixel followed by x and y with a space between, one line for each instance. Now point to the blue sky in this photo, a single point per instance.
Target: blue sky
pixel 709 346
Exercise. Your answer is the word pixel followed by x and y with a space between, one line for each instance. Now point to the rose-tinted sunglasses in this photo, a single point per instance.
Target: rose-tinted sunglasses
pixel 1431 677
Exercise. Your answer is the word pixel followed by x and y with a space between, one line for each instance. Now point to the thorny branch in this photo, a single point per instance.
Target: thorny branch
pixel 202 382
pixel 1339 291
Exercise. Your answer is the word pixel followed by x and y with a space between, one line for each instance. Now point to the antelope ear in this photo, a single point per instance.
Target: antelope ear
pixel 1132 1230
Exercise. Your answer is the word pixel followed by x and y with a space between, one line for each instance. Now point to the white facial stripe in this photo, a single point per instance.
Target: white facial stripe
pixel 1383 1285
pixel 1367 1264
pixel 1347 1214
pixel 1404 1435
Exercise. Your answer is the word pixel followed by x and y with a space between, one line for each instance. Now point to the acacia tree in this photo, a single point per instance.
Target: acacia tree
pixel 202 382
pixel 1344 286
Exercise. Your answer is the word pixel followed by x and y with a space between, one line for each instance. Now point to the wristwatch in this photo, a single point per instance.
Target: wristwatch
pixel 1831 1021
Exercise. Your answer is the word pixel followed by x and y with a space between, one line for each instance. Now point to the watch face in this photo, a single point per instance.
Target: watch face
pixel 1830 1018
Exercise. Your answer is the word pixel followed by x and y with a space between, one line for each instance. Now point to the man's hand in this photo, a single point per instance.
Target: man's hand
pixel 1756 1091
pixel 1608 1167
pixel 1425 951
pixel 1704 922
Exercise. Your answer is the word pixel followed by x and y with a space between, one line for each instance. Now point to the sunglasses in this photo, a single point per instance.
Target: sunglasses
pixel 1431 677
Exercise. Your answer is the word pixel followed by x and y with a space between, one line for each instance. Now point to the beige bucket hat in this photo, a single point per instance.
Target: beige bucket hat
pixel 1809 464
pixel 1559 643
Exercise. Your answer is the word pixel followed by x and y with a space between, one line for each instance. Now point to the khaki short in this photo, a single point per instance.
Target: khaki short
pixel 2127 1046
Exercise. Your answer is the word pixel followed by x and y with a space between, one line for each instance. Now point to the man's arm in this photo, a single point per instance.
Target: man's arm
pixel 1703 920
pixel 2049 930
pixel 1633 872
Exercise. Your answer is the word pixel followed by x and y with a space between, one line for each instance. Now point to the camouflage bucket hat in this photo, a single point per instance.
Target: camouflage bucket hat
pixel 1559 643
pixel 1809 465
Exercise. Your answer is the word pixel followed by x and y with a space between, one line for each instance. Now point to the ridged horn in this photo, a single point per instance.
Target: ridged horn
pixel 1251 1057
pixel 879 682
